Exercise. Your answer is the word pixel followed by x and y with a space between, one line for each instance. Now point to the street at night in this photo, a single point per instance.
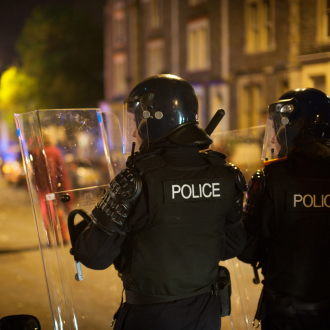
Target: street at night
pixel 164 165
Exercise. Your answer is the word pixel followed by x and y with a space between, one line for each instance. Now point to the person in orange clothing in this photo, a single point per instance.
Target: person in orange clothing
pixel 287 214
pixel 51 176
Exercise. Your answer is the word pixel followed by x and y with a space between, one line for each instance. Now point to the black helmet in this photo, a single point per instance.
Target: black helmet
pixel 164 106
pixel 299 117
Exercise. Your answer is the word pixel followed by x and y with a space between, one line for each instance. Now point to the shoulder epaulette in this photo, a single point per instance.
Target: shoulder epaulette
pixel 213 153
pixel 146 161
pixel 214 157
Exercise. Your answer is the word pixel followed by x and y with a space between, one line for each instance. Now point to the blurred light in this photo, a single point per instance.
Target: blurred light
pixel 83 140
pixel 13 167
pixel 99 117
pixel 6 169
pixel 68 158
pixel 104 106
pixel 81 171
pixel 8 157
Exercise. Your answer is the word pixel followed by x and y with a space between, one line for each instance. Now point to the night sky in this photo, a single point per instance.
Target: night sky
pixel 13 14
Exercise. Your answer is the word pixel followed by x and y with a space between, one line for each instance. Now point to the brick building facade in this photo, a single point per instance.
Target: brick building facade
pixel 239 55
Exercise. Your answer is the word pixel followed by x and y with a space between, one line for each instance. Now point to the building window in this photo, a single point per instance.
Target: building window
pixel 198 55
pixel 119 81
pixel 196 2
pixel 155 13
pixel 155 57
pixel 250 112
pixel 218 97
pixel 119 35
pixel 283 87
pixel 323 20
pixel 259 26
pixel 319 82
pixel 202 116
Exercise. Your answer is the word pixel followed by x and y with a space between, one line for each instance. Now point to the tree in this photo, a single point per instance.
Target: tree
pixel 17 93
pixel 62 50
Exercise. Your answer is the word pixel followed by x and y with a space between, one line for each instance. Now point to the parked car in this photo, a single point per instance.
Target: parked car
pixel 12 166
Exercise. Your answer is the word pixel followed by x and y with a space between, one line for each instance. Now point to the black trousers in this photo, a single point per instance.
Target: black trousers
pixel 194 313
pixel 304 320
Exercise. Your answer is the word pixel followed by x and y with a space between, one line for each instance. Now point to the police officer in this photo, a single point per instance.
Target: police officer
pixel 169 217
pixel 287 213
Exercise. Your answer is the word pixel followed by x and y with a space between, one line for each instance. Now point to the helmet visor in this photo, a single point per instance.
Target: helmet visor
pixel 275 141
pixel 136 118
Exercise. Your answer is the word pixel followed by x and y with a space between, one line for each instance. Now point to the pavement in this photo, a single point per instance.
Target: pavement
pixel 23 287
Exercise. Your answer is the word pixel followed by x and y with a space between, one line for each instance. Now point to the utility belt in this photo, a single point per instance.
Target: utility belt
pixel 221 287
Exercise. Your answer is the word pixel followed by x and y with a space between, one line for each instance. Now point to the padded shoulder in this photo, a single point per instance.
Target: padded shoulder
pixel 146 161
pixel 213 153
pixel 239 177
pixel 118 200
pixel 127 185
pixel 276 167
pixel 214 157
pixel 257 184
pixel 256 188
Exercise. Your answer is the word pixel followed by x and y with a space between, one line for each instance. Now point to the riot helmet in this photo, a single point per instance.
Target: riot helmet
pixel 299 117
pixel 162 107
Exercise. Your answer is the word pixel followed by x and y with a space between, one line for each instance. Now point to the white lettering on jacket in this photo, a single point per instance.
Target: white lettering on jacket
pixel 310 200
pixel 187 191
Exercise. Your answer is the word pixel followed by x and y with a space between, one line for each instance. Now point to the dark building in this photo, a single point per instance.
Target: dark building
pixel 239 55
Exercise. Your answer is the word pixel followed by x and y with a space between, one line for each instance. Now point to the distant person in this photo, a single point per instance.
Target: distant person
pixel 287 214
pixel 47 165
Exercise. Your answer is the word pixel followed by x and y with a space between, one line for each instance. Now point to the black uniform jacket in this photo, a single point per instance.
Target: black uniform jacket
pixel 287 218
pixel 97 250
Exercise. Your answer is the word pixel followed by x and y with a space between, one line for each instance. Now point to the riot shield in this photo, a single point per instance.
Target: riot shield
pixel 243 148
pixel 114 142
pixel 69 161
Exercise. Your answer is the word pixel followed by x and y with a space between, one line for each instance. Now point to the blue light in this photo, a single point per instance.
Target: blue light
pixel 123 148
pixel 18 132
pixel 99 117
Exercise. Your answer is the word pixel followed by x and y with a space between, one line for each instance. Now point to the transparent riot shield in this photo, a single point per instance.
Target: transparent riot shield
pixel 68 166
pixel 243 148
pixel 115 142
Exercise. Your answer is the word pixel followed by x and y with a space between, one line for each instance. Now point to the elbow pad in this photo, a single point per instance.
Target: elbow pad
pixel 114 207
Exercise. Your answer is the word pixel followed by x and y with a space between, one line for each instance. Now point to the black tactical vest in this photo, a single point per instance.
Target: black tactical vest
pixel 297 260
pixel 178 252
